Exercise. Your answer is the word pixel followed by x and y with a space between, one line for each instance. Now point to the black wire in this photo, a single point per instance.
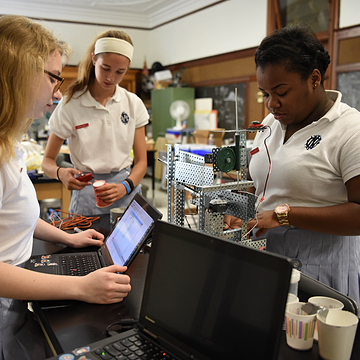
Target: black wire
pixel 187 222
pixel 123 325
pixel 269 158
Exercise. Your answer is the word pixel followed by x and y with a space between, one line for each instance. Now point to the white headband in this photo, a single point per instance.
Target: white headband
pixel 114 45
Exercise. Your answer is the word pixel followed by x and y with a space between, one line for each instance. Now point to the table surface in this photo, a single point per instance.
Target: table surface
pixel 40 179
pixel 75 324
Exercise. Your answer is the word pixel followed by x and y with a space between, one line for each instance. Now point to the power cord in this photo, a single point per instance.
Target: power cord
pixel 124 324
pixel 71 221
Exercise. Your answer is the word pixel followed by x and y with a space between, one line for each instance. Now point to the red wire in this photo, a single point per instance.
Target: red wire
pixel 268 174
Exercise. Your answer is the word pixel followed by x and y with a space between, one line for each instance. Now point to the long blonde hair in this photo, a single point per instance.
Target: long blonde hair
pixel 86 72
pixel 24 48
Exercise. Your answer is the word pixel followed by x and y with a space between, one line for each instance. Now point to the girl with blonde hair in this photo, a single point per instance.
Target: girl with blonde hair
pixel 30 67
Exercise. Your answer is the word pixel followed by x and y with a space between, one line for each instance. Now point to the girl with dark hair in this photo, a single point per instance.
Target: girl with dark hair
pixel 309 208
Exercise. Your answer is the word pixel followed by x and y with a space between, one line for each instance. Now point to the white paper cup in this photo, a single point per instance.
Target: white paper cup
pixel 116 213
pixel 295 278
pixel 300 327
pixel 326 302
pixel 290 299
pixel 337 334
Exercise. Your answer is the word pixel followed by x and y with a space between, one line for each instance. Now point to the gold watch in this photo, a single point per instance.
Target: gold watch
pixel 282 213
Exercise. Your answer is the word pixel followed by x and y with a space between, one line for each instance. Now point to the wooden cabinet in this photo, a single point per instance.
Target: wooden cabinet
pixel 129 80
pixel 70 75
pixel 53 189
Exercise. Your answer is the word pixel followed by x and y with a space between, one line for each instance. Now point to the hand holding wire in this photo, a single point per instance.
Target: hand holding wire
pixel 264 221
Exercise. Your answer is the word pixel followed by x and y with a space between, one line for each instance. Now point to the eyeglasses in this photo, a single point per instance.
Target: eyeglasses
pixel 59 80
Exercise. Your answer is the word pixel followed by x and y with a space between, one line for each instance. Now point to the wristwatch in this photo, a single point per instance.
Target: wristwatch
pixel 282 212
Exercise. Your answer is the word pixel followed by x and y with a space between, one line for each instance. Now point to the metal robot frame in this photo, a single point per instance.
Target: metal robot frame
pixel 188 172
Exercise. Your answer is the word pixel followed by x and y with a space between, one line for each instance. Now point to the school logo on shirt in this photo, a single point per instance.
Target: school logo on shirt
pixel 124 117
pixel 312 142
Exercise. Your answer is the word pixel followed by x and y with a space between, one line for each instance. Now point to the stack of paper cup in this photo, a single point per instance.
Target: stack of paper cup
pixel 336 334
pixel 290 299
pixel 326 302
pixel 295 278
pixel 300 327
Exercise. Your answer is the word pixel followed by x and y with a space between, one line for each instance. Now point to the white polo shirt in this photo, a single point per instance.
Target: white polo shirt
pixel 100 137
pixel 314 164
pixel 19 211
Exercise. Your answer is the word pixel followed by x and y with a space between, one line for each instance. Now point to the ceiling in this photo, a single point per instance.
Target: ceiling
pixel 143 14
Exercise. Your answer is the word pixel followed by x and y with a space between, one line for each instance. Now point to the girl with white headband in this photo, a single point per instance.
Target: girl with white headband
pixel 102 123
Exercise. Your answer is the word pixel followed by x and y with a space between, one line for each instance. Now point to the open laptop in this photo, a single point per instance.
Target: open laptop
pixel 204 298
pixel 120 247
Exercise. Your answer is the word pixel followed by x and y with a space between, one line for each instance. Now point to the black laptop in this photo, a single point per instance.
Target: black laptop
pixel 120 247
pixel 204 298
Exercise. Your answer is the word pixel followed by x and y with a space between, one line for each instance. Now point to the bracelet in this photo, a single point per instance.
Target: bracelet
pixel 57 173
pixel 130 183
pixel 126 187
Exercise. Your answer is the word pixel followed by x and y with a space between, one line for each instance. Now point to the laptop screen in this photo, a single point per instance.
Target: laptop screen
pixel 131 230
pixel 213 298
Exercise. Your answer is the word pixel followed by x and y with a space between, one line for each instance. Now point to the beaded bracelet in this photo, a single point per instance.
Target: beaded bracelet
pixel 57 173
pixel 126 187
pixel 130 183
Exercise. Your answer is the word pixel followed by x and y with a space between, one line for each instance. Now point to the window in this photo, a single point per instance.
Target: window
pixel 314 13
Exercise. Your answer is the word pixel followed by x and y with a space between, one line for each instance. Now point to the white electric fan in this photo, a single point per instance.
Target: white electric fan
pixel 180 111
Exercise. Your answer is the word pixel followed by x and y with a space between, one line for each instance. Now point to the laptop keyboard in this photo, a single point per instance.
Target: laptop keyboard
pixel 78 265
pixel 134 347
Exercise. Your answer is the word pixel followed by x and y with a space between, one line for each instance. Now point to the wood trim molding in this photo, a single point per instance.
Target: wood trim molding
pixel 333 21
pixel 214 59
pixel 271 16
pixel 125 26
pixel 348 67
pixel 341 34
pixel 224 81
pixel 348 32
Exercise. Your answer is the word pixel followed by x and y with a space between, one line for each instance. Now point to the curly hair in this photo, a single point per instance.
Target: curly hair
pixel 297 48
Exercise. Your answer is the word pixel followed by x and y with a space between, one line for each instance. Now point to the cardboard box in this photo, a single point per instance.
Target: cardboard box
pixel 160 145
pixel 202 136
pixel 161 84
pixel 150 144
pixel 205 120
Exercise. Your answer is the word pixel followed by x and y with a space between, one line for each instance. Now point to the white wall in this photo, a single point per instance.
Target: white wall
pixel 228 26
pixel 225 27
pixel 80 36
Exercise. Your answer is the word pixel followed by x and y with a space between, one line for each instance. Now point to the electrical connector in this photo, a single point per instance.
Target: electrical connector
pixel 218 205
